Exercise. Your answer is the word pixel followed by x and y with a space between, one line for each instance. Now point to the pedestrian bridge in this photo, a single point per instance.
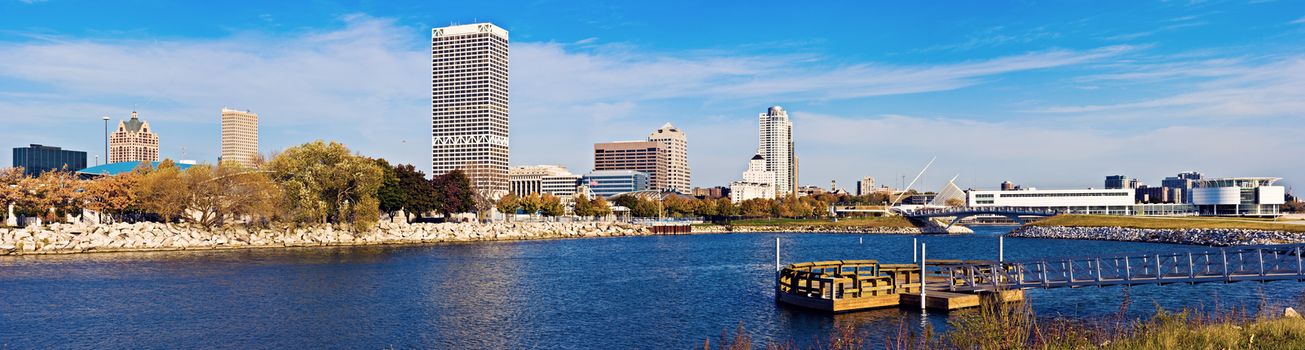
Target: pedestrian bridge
pixel 1232 264
pixel 1016 214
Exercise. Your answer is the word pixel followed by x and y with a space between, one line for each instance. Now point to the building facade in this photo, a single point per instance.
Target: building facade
pixel 1088 201
pixel 1239 196
pixel 775 144
pixel 133 140
pixel 1115 182
pixel 711 192
pixel 1007 186
pixel 36 159
pixel 865 186
pixel 469 104
pixel 527 179
pixel 1182 184
pixel 607 183
pixel 239 137
pixel 648 157
pixel 678 176
pixel 758 182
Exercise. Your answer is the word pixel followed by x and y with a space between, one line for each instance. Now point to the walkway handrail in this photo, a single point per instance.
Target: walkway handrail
pixel 1242 263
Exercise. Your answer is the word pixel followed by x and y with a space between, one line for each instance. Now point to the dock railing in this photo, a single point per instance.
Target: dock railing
pixel 842 279
pixel 1233 264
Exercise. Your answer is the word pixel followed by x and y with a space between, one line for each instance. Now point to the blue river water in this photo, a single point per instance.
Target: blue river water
pixel 608 293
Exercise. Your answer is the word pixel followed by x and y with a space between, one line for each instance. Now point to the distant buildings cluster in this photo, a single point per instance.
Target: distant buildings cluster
pixel 1188 193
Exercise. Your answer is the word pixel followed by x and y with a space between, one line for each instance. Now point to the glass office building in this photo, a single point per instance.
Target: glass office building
pixel 37 159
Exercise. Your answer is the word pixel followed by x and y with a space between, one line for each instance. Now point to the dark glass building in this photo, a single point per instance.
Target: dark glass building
pixel 37 159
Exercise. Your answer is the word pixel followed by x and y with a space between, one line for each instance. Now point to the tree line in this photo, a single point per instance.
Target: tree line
pixel 313 183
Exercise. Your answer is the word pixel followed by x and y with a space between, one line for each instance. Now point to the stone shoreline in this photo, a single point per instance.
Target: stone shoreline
pixel 1196 236
pixel 90 238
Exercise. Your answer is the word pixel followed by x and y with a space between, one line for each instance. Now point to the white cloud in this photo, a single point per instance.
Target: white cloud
pixel 1299 21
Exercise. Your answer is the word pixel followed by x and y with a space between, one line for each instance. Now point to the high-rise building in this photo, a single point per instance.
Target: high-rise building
pixel 239 136
pixel 865 186
pixel 776 146
pixel 1007 186
pixel 1115 182
pixel 1181 185
pixel 758 182
pixel 648 157
pixel 676 143
pixel 133 140
pixel 36 159
pixel 469 104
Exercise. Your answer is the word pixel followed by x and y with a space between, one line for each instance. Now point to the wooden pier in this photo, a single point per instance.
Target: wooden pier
pixel 850 285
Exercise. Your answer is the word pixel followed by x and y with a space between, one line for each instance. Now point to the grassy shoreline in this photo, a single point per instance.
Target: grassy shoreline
pixel 1167 223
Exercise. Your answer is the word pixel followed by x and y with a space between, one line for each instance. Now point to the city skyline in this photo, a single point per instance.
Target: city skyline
pixel 1048 103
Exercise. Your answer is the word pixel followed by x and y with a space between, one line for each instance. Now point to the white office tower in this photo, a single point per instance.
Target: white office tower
pixel 677 150
pixel 757 182
pixel 776 146
pixel 469 104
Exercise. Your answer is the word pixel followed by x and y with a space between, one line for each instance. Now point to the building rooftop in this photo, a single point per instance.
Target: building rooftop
pixel 114 169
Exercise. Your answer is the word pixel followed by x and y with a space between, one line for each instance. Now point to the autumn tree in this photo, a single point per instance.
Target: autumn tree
pixel 645 208
pixel 725 207
pixel 230 191
pixel 676 206
pixel 325 183
pixel 113 196
pixel 755 208
pixel 600 207
pixel 9 193
pixel 583 207
pixel 531 203
pixel 51 196
pixel 705 208
pixel 508 204
pixel 162 191
pixel 550 205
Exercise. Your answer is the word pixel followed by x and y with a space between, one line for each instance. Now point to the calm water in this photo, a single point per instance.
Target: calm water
pixel 636 292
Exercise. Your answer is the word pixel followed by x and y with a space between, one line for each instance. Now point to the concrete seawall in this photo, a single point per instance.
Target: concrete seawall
pixel 89 238
pixel 1213 237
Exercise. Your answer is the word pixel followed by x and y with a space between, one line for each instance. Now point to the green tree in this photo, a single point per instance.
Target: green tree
pixel 676 206
pixel 755 208
pixel 626 200
pixel 325 183
pixel 453 193
pixel 230 191
pixel 391 194
pixel 508 204
pixel 705 208
pixel 551 206
pixel 418 192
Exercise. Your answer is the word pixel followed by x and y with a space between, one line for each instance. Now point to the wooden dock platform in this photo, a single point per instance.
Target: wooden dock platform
pixel 850 285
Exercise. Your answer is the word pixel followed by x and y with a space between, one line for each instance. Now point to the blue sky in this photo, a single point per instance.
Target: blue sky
pixel 1045 94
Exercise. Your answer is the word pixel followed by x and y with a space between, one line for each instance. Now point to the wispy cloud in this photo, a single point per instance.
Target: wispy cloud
pixel 1299 21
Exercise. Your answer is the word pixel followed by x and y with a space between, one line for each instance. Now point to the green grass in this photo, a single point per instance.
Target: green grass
pixel 1165 223
pixel 888 221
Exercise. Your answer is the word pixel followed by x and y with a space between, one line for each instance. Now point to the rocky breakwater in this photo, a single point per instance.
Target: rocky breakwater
pixel 1199 236
pixel 85 238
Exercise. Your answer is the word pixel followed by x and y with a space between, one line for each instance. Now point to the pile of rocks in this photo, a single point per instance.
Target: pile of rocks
pixel 78 238
pixel 1199 236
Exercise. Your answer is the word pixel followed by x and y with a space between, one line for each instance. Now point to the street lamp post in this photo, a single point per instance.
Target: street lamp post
pixel 106 139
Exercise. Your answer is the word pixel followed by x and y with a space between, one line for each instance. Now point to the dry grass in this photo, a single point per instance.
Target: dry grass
pixel 1166 223
pixel 1002 326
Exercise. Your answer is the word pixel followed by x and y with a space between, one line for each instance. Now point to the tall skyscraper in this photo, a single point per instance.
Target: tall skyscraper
pixel 648 157
pixel 776 146
pixel 133 140
pixel 676 143
pixel 239 136
pixel 469 104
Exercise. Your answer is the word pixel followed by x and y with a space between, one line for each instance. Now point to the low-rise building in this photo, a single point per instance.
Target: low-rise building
pixel 604 183
pixel 526 179
pixel 1239 196
pixel 36 159
pixel 1086 201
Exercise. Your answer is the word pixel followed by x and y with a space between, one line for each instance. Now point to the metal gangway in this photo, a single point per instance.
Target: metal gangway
pixel 1232 264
